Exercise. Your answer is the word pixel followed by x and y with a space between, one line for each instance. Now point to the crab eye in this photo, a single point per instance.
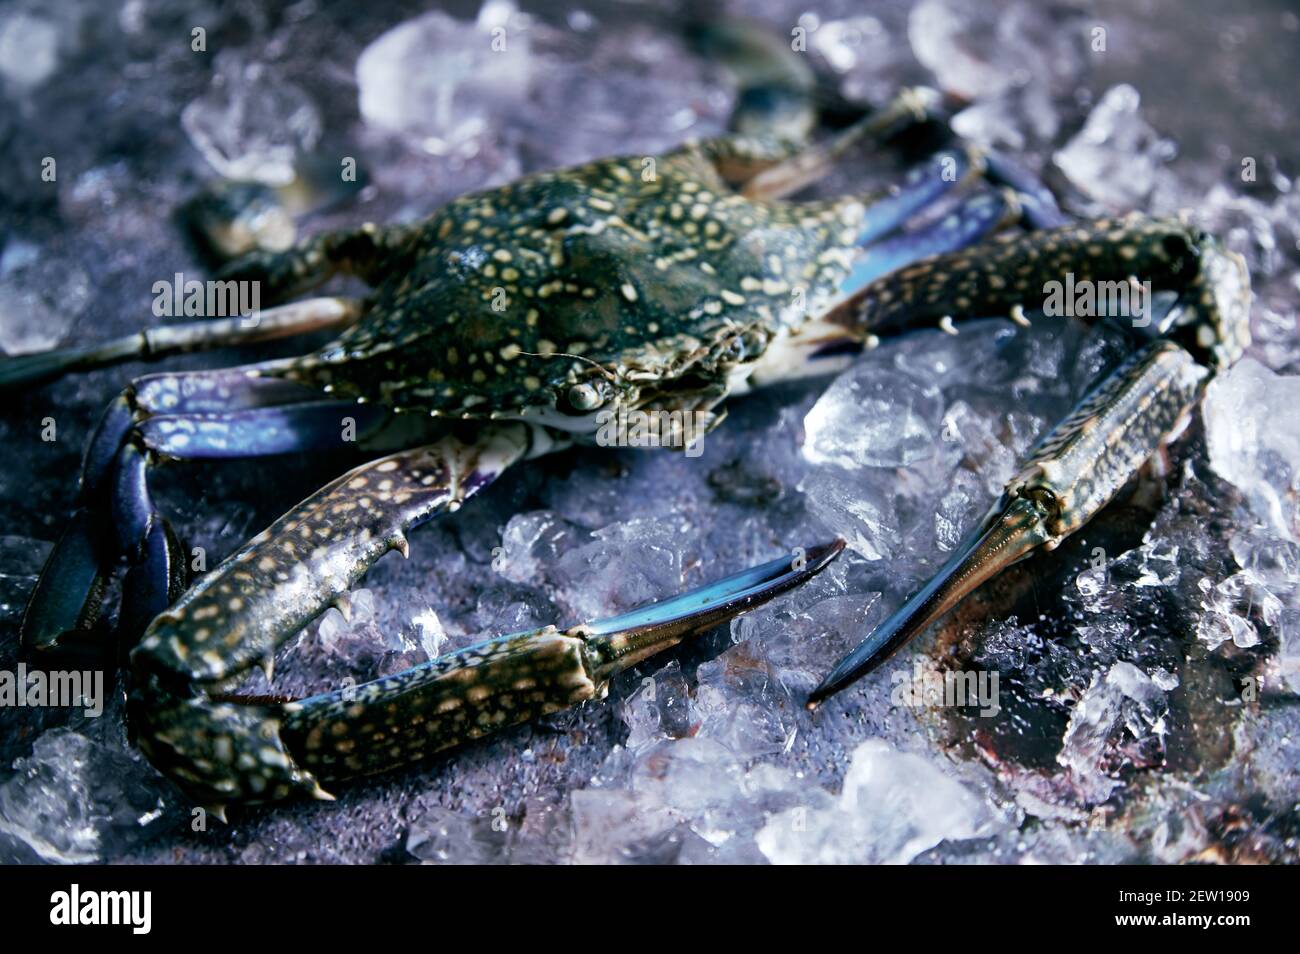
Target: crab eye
pixel 584 397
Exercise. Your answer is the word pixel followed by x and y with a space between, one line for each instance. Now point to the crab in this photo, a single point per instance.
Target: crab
pixel 519 321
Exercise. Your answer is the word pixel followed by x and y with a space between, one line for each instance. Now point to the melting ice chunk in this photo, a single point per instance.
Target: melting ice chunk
pixel 437 79
pixel 73 798
pixel 29 49
pixel 21 560
pixel 894 806
pixel 1124 696
pixel 252 123
pixel 1116 157
pixel 1230 608
pixel 1253 435
pixel 873 418
pixel 41 294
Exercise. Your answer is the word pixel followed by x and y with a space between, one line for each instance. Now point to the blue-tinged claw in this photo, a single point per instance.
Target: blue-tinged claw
pixel 132 508
pixel 213 392
pixel 623 641
pixel 101 454
pixel 466 694
pixel 318 425
pixel 70 590
pixel 921 188
pixel 152 584
pixel 1038 205
pixel 1000 541
pixel 968 223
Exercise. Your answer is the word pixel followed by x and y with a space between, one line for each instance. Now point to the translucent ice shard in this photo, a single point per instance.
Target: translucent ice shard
pixel 870 418
pixel 1231 608
pixel 439 80
pixel 41 294
pixel 894 806
pixel 1124 699
pixel 448 838
pixel 252 123
pixel 74 799
pixel 21 560
pixel 1115 158
pixel 1253 435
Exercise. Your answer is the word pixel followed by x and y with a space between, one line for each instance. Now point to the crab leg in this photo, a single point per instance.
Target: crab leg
pixel 1082 463
pixel 288 574
pixel 511 679
pixel 972 220
pixel 812 164
pixel 152 343
pixel 358 252
pixel 264 593
pixel 231 413
pixel 233 619
pixel 1075 471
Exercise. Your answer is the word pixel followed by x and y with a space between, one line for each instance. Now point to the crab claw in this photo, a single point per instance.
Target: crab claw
pixel 620 642
pixel 482 688
pixel 1003 539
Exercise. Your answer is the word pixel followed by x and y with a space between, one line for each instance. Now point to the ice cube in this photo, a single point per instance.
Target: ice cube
pixel 624 566
pixel 21 560
pixel 1253 437
pixel 251 123
pixel 959 46
pixel 1123 696
pixel 74 799
pixel 1023 50
pixel 894 806
pixel 864 54
pixel 615 826
pixel 639 87
pixel 1231 608
pixel 441 82
pixel 29 49
pixel 42 291
pixel 873 418
pixel 1117 155
pixel 532 543
pixel 659 710
pixel 445 837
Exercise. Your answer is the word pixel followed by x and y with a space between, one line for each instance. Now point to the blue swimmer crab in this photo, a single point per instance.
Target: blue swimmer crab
pixel 501 329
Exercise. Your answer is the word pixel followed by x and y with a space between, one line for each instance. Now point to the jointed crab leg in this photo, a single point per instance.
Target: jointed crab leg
pixel 234 618
pixel 1083 462
pixel 197 415
pixel 976 217
pixel 159 342
pixel 1075 472
pixel 288 574
pixel 811 164
pixel 474 691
